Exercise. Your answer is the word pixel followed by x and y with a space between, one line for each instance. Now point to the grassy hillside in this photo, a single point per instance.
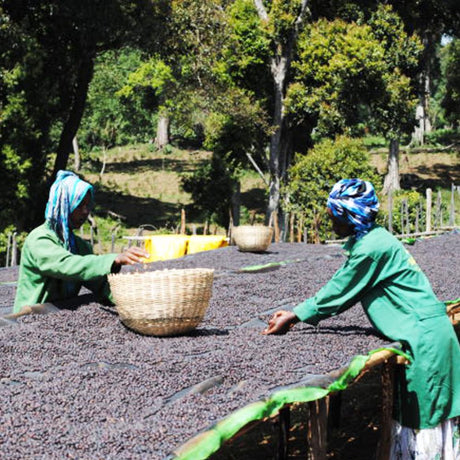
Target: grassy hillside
pixel 141 186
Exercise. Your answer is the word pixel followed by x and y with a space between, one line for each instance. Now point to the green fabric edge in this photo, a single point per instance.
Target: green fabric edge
pixel 210 441
pixel 254 268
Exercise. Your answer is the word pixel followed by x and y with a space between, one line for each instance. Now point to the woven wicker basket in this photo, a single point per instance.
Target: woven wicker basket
pixel 162 302
pixel 252 238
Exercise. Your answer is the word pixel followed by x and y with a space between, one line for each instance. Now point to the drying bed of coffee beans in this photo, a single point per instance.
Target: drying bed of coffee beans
pixel 78 384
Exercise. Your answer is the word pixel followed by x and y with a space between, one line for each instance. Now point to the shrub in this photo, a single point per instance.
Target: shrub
pixel 406 206
pixel 313 175
pixel 443 137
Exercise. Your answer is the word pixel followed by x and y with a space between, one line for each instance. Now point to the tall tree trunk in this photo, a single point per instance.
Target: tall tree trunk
pixel 162 137
pixel 80 93
pixel 279 66
pixel 391 181
pixel 422 112
pixel 76 152
pixel 236 203
pixel 276 165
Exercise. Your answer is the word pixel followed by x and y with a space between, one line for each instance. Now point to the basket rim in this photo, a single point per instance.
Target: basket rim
pixel 174 272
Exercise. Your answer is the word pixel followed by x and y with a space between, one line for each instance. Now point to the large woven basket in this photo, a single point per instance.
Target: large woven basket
pixel 252 238
pixel 162 302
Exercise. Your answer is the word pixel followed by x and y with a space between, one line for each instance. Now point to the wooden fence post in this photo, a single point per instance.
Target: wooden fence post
pixel 8 247
pixel 407 218
pixel 14 251
pixel 428 209
pixel 390 211
pixel 317 429
pixel 452 206
pixel 438 216
pixel 299 228
pixel 276 226
pixel 387 377
pixel 284 420
pixel 291 228
pixel 402 214
pixel 182 221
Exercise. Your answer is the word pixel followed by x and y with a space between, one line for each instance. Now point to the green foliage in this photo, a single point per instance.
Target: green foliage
pixel 406 206
pixel 443 137
pixel 313 175
pixel 344 67
pixel 6 240
pixel 451 71
pixel 211 188
pixel 47 53
pixel 111 117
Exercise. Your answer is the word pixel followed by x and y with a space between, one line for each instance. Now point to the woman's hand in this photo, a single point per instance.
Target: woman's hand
pixel 132 255
pixel 281 322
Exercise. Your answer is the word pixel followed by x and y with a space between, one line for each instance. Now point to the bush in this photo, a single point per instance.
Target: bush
pixel 313 175
pixel 406 206
pixel 211 187
pixel 443 137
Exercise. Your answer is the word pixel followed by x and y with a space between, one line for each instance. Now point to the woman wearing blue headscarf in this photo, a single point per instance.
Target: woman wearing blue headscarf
pixel 399 301
pixel 55 262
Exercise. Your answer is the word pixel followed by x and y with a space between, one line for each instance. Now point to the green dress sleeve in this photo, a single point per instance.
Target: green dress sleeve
pixel 48 272
pixel 345 288
pixel 55 261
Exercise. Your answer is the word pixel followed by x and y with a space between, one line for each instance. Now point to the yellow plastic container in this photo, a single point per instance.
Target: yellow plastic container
pixel 164 247
pixel 199 243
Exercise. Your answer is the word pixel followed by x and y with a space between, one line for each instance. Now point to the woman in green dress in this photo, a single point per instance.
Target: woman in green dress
pixel 399 301
pixel 55 262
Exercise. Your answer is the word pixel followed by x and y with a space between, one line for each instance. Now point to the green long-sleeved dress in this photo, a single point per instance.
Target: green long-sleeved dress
pixel 49 272
pixel 399 301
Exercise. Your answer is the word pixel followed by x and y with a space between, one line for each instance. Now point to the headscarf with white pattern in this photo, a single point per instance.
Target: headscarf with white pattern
pixel 66 193
pixel 354 202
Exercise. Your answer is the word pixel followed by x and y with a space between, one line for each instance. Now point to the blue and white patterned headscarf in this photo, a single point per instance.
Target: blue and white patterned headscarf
pixel 66 193
pixel 354 202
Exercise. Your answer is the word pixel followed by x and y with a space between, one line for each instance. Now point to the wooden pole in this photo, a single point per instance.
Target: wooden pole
pixel 276 227
pixel 452 206
pixel 7 261
pixel 401 216
pixel 429 195
pixel 14 251
pixel 291 227
pixel 299 229
pixel 387 377
pixel 390 211
pixel 284 420
pixel 407 217
pixel 182 221
pixel 317 429
pixel 438 218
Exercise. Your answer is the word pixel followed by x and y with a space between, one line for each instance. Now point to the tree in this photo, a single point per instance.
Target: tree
pixel 348 74
pixel 110 118
pixel 313 175
pixel 430 20
pixel 451 72
pixel 50 67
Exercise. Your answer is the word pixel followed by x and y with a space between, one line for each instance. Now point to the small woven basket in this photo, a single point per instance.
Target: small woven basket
pixel 252 238
pixel 162 302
